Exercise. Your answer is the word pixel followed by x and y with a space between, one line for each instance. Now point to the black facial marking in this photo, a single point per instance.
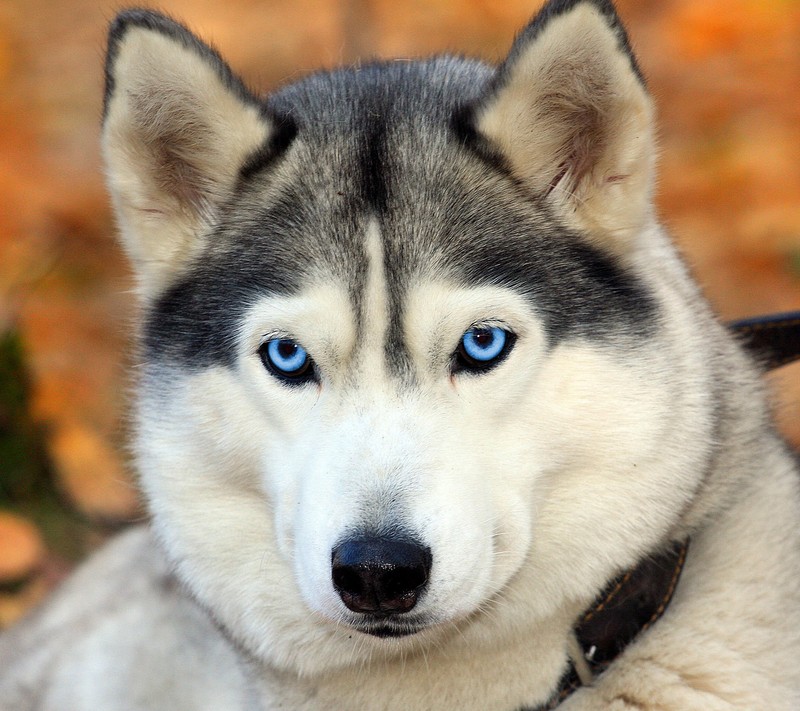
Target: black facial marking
pixel 193 322
pixel 374 164
pixel 579 290
pixel 284 130
pixel 462 125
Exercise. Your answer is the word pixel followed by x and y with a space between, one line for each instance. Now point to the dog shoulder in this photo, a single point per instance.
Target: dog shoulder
pixel 84 648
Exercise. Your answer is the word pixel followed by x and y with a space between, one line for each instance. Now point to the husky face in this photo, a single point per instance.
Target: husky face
pixel 400 361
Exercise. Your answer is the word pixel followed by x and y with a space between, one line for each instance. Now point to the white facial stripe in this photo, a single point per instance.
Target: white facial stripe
pixel 374 305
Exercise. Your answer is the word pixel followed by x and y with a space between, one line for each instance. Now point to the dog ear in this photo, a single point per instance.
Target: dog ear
pixel 569 113
pixel 178 127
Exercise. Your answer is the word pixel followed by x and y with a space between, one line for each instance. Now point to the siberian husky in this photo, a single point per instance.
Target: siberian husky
pixel 425 391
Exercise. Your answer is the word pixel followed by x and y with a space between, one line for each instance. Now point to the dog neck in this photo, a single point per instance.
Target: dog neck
pixel 630 604
pixel 637 598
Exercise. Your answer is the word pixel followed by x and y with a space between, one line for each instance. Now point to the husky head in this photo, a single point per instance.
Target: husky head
pixel 405 367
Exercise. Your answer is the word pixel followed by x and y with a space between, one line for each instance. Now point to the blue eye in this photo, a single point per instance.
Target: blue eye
pixel 286 358
pixel 483 347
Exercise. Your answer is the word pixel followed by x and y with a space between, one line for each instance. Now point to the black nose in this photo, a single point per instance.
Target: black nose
pixel 378 574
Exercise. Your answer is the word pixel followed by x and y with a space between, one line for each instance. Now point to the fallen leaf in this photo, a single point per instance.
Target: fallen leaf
pixel 91 473
pixel 21 548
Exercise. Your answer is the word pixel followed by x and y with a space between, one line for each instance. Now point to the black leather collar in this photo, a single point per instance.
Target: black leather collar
pixel 635 600
pixel 630 604
pixel 774 340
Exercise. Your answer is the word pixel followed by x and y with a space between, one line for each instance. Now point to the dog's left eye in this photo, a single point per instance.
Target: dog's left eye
pixel 482 348
pixel 287 360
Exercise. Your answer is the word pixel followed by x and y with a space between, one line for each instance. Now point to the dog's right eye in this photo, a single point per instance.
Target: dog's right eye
pixel 287 360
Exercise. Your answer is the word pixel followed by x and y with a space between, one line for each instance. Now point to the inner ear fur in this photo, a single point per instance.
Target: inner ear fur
pixel 177 128
pixel 570 115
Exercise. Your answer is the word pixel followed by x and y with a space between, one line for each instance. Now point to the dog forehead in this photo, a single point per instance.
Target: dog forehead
pixel 378 146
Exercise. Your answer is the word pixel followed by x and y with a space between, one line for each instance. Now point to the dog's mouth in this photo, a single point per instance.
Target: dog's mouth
pixel 387 628
pixel 385 631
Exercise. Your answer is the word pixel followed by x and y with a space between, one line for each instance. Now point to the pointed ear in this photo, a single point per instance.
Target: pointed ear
pixel 570 116
pixel 178 127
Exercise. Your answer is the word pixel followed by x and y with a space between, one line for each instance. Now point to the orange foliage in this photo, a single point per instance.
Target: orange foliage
pixel 21 548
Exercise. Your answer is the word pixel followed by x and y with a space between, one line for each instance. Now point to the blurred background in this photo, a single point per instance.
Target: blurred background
pixel 726 77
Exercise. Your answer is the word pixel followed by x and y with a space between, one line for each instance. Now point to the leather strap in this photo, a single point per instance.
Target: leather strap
pixel 636 599
pixel 774 340
pixel 630 604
